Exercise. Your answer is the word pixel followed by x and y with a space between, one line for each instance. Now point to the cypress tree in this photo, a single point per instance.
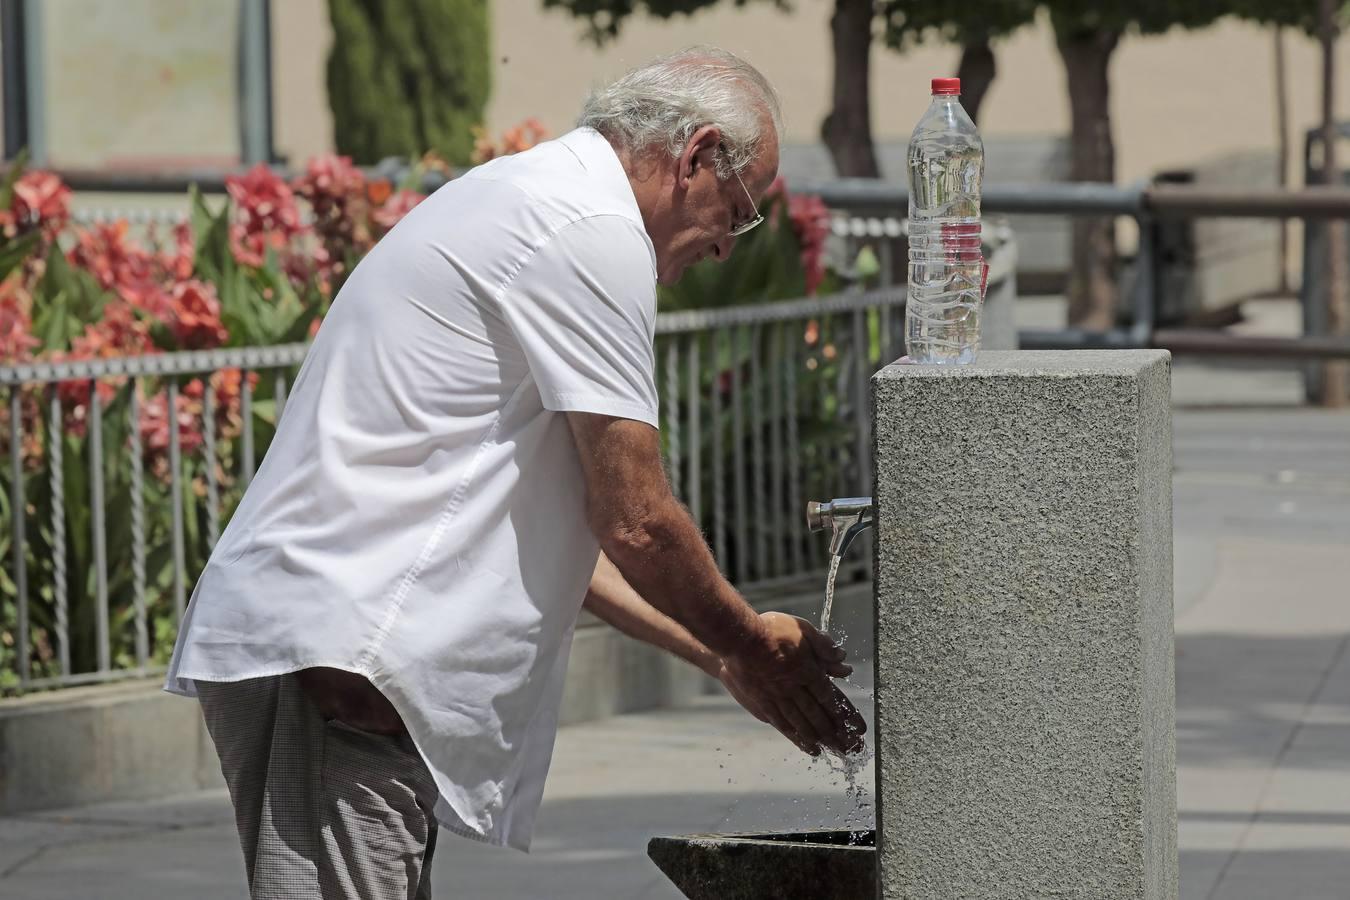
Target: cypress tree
pixel 407 76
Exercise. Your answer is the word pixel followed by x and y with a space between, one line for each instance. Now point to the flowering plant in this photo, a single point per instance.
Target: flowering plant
pixel 513 140
pixel 259 268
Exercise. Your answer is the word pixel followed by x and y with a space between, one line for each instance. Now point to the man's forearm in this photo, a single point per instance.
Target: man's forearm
pixel 651 538
pixel 614 600
pixel 667 562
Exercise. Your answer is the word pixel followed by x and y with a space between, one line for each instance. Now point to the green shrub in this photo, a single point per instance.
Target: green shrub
pixel 408 76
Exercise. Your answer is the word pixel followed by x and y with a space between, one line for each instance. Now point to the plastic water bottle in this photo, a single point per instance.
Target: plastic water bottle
pixel 946 267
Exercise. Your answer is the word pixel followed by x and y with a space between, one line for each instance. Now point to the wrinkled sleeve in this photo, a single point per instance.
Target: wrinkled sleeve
pixel 583 307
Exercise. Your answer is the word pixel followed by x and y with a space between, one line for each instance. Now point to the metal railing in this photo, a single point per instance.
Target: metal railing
pixel 765 407
pixel 111 504
pixel 120 475
pixel 1149 205
pixel 867 202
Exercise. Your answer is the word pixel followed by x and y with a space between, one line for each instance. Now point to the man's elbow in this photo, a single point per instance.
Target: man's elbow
pixel 628 536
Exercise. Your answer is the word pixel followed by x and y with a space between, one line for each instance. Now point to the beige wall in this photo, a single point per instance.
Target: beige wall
pixel 301 123
pixel 1178 98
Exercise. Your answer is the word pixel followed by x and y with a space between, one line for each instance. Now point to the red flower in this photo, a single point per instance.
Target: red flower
pixel 266 215
pixel 340 199
pixel 118 263
pixel 16 345
pixel 194 316
pixel 157 303
pixel 395 208
pixel 155 422
pixel 250 249
pixel 41 201
pixel 118 333
pixel 16 337
pixel 264 201
pixel 378 191
pixel 810 219
pixel 330 176
pixel 514 140
pixel 301 265
pixel 176 263
pixel 228 385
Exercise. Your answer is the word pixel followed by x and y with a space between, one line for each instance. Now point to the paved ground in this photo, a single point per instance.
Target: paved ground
pixel 1262 521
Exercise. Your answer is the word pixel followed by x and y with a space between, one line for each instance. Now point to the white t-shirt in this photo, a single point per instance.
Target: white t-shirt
pixel 420 516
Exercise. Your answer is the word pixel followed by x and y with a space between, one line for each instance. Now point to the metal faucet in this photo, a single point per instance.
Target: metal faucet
pixel 847 517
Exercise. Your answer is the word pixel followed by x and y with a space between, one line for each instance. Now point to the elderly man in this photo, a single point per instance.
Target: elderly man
pixel 469 452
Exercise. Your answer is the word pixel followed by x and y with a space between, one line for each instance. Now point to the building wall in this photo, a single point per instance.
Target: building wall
pixel 302 125
pixel 1178 98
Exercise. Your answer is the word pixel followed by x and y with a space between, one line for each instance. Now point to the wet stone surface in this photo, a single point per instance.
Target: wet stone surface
pixel 809 865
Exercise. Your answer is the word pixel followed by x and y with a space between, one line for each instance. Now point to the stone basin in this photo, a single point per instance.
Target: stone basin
pixel 797 865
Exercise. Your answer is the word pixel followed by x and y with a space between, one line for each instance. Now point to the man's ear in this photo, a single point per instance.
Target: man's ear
pixel 699 151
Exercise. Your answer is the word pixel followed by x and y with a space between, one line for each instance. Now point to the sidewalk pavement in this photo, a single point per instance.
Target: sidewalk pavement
pixel 614 784
pixel 1262 522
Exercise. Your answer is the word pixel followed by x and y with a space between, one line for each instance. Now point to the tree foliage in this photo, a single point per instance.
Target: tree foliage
pixel 605 18
pixel 408 76
pixel 912 22
pixel 1140 16
pixel 1301 14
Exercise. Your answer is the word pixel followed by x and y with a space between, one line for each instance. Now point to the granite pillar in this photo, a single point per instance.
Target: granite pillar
pixel 1024 686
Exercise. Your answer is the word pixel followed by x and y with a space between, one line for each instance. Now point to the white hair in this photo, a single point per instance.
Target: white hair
pixel 662 104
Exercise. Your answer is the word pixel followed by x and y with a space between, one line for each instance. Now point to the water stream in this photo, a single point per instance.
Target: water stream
pixel 857 809
pixel 855 813
pixel 829 595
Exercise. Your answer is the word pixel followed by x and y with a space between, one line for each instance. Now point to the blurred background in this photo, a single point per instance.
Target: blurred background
pixel 187 184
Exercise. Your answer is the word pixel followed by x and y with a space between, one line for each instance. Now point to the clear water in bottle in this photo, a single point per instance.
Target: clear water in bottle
pixel 946 266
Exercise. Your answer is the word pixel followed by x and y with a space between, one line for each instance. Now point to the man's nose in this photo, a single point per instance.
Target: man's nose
pixel 722 249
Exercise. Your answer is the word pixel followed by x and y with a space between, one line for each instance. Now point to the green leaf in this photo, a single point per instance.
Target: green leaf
pixel 14 174
pixel 84 299
pixel 52 323
pixel 16 251
pixel 298 331
pixel 866 265
pixel 213 260
pixel 264 414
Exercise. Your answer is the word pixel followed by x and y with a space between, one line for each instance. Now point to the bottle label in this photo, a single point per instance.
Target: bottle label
pixel 961 241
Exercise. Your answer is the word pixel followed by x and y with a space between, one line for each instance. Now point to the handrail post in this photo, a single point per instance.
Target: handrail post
pixel 1148 282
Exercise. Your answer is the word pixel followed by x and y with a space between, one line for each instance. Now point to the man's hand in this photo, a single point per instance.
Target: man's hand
pixel 778 663
pixel 786 682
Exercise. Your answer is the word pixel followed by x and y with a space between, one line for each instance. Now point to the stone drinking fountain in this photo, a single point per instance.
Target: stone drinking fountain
pixel 1025 714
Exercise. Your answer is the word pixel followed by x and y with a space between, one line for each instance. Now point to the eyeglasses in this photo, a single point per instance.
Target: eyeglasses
pixel 738 230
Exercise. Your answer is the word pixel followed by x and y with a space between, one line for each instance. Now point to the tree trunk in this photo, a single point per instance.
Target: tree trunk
pixel 1282 148
pixel 976 71
pixel 847 130
pixel 1092 281
pixel 1334 373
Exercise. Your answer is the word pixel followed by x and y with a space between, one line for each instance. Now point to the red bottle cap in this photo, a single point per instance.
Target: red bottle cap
pixel 946 85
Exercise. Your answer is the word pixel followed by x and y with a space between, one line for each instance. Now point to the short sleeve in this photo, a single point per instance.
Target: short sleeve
pixel 583 308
